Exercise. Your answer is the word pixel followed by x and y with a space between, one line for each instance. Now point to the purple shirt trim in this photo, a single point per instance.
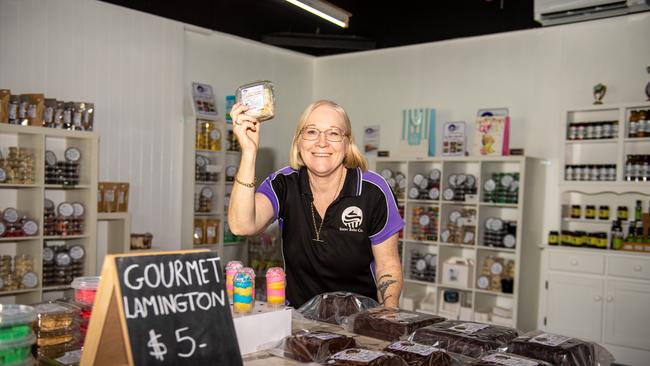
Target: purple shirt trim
pixel 394 222
pixel 266 188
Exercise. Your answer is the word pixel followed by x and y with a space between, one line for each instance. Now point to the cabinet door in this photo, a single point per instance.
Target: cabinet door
pixel 575 306
pixel 627 311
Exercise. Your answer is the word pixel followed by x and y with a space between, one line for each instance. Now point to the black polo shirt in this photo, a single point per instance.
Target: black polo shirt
pixel 364 214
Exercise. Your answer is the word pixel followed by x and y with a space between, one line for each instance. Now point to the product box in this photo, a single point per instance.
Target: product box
pixel 4 105
pixel 454 139
pixel 456 271
pixel 418 138
pixel 492 133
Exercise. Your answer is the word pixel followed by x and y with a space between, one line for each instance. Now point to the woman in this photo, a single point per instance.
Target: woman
pixel 339 221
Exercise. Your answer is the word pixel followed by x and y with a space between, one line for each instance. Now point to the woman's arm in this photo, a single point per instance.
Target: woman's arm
pixel 249 212
pixel 388 272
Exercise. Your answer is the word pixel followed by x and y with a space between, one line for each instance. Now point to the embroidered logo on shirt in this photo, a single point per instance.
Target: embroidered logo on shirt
pixel 352 218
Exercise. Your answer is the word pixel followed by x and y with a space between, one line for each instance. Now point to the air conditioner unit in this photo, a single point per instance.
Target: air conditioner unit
pixel 551 12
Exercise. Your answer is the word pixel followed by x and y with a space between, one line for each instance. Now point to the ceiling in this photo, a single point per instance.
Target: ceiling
pixel 374 24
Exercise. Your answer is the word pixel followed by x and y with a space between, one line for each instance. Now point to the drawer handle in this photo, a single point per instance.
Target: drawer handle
pixel 597 298
pixel 574 262
pixel 637 268
pixel 610 298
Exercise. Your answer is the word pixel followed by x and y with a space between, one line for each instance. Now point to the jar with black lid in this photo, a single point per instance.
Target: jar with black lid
pixel 553 238
pixel 576 211
pixel 590 212
pixel 603 212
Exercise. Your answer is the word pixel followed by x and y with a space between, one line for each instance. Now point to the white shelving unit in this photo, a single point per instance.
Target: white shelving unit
pixel 527 212
pixel 223 162
pixel 29 199
pixel 599 294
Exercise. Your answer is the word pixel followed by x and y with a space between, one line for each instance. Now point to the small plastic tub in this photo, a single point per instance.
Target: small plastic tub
pixel 15 322
pixel 18 352
pixel 258 96
pixel 85 289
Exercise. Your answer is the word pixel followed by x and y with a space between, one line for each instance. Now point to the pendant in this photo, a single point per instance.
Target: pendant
pixel 318 241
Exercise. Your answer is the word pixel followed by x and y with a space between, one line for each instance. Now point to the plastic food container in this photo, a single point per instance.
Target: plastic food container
pixel 258 95
pixel 15 323
pixel 55 337
pixel 53 316
pixel 17 352
pixel 85 289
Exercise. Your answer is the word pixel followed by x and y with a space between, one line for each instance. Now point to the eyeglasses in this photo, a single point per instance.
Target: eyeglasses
pixel 333 134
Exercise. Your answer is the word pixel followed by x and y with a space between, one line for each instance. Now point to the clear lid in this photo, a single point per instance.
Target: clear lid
pixel 86 283
pixel 18 343
pixel 258 95
pixel 16 314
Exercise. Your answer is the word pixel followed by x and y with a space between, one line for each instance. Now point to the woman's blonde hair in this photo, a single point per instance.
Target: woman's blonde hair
pixel 353 157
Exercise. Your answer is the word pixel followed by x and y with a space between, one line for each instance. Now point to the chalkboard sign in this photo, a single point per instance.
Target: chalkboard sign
pixel 172 309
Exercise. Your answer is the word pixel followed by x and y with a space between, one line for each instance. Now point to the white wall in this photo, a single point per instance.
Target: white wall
pixel 536 73
pixel 130 65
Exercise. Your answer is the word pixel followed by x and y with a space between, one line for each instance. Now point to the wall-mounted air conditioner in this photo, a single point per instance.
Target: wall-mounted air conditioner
pixel 550 12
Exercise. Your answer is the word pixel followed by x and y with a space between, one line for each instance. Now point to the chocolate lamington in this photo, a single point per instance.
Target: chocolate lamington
pixel 416 354
pixel 334 307
pixel 467 338
pixel 364 357
pixel 558 350
pixel 390 324
pixel 507 359
pixel 316 346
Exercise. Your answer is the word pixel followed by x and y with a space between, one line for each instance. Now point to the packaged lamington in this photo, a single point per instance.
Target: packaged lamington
pixel 336 307
pixel 497 358
pixel 466 338
pixel 416 354
pixel 315 346
pixel 390 324
pixel 364 357
pixel 560 350
pixel 258 96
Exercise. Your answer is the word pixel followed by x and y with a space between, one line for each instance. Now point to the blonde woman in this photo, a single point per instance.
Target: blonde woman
pixel 339 221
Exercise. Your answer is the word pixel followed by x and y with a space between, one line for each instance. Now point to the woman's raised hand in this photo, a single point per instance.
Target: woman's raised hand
pixel 245 128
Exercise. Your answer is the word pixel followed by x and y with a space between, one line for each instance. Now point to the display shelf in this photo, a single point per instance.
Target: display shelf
pixel 19 238
pixel 495 249
pixel 432 284
pixel 61 187
pixel 588 142
pixel 451 287
pixel 494 204
pixel 20 186
pixel 29 198
pixel 65 237
pixel 199 132
pixel 590 292
pixel 494 293
pixel 453 245
pixel 17 292
pixel 637 139
pixel 57 288
pixel 527 213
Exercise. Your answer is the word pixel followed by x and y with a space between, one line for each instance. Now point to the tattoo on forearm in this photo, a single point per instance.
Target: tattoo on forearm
pixel 382 286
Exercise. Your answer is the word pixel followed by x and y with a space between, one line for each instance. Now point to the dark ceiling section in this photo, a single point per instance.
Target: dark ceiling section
pixel 373 25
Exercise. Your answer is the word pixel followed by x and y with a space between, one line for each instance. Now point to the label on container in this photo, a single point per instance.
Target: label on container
pixel 30 227
pixel 29 280
pixel 78 209
pixel 424 220
pixel 507 360
pixel 468 328
pixel 483 282
pixel 48 254
pixel 10 215
pixel 399 316
pixel 324 336
pixel 72 154
pixel 357 355
pixel 253 96
pixel 548 339
pixel 496 268
pixel 411 347
pixel 212 231
pixel 77 252
pixel 3 175
pixel 70 358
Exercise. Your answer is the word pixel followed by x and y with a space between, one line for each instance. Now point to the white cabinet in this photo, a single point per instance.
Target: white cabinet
pixel 465 216
pixel 627 314
pixel 575 306
pixel 611 307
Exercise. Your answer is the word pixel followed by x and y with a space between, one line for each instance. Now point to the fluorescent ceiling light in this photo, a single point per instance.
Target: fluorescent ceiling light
pixel 324 10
